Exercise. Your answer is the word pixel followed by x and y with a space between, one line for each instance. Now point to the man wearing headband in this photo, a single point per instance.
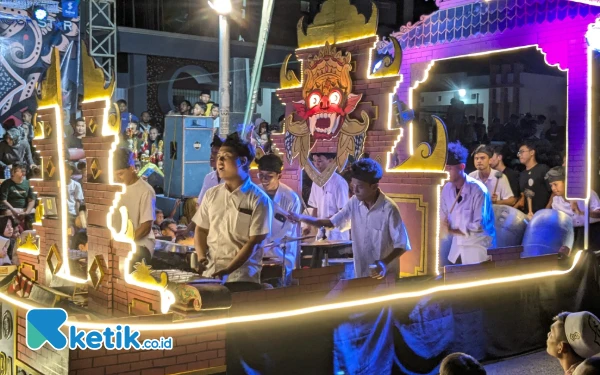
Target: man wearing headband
pixel 331 197
pixel 233 220
pixel 212 179
pixel 378 234
pixel 576 210
pixel 285 201
pixel 498 187
pixel 140 201
pixel 573 337
pixel 466 212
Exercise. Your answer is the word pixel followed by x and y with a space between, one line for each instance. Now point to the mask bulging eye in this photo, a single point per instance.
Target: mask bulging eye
pixel 314 99
pixel 335 97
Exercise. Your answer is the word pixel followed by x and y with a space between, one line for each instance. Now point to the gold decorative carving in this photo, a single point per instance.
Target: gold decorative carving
pixel 51 93
pixel 38 128
pixel 47 129
pixel 95 168
pixel 94 79
pixel 390 68
pixel 29 271
pixel 39 213
pixel 338 21
pixel 54 259
pixel 92 126
pixel 31 243
pixel 139 307
pixel 424 159
pixel 96 271
pixel 287 78
pixel 423 207
pixel 114 119
pixel 50 168
pixel 142 274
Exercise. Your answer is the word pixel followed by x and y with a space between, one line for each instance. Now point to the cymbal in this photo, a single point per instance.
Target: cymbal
pixel 327 243
pixel 282 240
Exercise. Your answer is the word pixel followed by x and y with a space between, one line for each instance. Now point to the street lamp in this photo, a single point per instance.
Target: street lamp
pixel 462 93
pixel 223 8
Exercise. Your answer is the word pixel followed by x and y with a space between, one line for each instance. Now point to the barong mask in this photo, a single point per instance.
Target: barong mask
pixel 328 100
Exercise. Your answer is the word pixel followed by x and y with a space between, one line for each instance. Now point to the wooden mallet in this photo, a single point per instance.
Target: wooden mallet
pixel 529 194
pixel 498 176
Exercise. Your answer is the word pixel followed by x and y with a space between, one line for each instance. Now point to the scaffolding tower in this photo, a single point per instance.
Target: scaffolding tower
pixel 101 26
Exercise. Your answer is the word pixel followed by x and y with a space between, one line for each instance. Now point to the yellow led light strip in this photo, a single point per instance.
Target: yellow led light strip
pixel 64 271
pixel 167 298
pixel 177 326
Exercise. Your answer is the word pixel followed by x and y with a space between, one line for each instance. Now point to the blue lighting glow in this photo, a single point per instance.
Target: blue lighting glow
pixel 377 65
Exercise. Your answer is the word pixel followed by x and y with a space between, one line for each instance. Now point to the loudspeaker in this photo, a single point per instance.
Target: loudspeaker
pixel 186 159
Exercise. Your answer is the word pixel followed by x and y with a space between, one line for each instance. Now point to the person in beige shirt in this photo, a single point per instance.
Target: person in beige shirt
pixel 233 220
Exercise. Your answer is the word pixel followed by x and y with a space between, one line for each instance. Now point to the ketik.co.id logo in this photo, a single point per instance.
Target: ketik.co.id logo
pixel 43 325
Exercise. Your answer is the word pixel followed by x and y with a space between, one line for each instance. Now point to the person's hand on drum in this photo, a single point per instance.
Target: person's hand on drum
pixel 221 273
pixel 494 198
pixel 378 270
pixel 202 265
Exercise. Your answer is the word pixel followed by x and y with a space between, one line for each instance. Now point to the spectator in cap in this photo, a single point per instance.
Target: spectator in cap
pixel 575 209
pixel 466 212
pixel 379 236
pixel 285 201
pixel 212 179
pixel 573 337
pixel 461 364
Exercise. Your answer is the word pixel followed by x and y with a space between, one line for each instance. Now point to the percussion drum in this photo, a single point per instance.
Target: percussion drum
pixel 510 226
pixel 547 232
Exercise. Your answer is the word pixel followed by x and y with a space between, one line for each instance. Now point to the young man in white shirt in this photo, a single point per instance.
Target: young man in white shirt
pixel 74 193
pixel 285 202
pixel 212 179
pixel 140 200
pixel 498 188
pixel 329 199
pixel 233 221
pixel 465 212
pixel 575 210
pixel 378 234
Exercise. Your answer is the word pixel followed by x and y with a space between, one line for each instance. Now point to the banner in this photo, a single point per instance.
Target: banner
pixel 25 50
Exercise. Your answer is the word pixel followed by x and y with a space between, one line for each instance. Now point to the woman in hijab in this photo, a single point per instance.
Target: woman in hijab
pixel 7 232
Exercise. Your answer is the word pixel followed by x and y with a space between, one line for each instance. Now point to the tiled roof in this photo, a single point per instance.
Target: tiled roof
pixel 482 18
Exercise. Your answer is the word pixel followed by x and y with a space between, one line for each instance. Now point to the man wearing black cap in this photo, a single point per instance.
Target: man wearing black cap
pixel 576 210
pixel 233 220
pixel 212 179
pixel 466 212
pixel 140 201
pixel 285 201
pixel 378 233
